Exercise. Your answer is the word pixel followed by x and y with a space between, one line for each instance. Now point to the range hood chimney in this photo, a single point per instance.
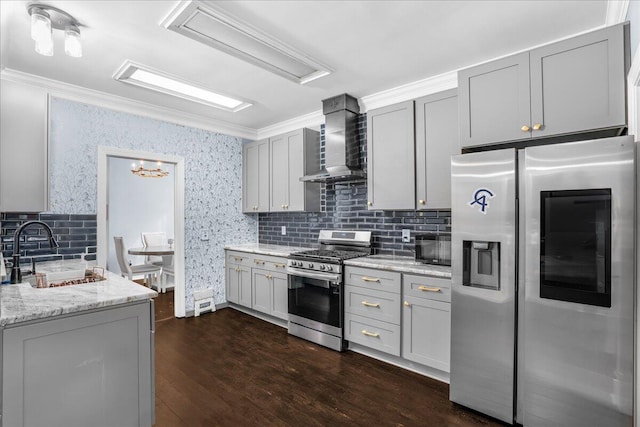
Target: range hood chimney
pixel 342 150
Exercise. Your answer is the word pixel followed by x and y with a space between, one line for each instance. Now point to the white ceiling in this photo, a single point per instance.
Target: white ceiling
pixel 373 46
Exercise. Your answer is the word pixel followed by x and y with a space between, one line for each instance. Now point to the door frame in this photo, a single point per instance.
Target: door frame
pixel 178 214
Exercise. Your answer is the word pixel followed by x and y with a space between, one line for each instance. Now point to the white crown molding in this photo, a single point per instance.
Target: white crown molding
pixel 616 12
pixel 311 120
pixel 118 103
pixel 409 91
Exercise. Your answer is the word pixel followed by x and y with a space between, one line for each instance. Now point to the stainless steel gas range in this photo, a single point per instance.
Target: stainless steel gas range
pixel 316 286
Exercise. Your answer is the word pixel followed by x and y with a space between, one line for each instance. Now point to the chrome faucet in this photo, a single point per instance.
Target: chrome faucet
pixel 16 275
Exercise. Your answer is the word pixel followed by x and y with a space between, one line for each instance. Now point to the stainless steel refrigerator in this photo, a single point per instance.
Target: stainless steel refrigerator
pixel 542 327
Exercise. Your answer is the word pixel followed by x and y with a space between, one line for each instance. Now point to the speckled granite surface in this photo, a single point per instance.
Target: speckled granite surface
pixel 400 264
pixel 21 302
pixel 265 249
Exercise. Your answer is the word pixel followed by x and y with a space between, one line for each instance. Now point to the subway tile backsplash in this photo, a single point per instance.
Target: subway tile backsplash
pixel 75 234
pixel 344 206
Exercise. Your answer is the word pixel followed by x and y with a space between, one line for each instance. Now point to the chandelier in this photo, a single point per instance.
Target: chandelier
pixel 143 172
pixel 43 19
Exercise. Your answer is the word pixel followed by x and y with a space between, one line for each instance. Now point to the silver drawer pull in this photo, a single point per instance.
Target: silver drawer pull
pixel 370 304
pixel 370 334
pixel 370 279
pixel 428 289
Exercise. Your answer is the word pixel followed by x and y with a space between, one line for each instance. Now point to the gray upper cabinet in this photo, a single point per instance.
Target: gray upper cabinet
pixel 255 176
pixel 390 157
pixel 565 98
pixel 292 156
pixel 547 91
pixel 494 101
pixel 436 141
pixel 24 123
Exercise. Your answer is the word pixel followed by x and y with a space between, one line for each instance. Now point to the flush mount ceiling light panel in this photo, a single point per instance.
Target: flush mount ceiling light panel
pixel 147 77
pixel 213 27
pixel 44 19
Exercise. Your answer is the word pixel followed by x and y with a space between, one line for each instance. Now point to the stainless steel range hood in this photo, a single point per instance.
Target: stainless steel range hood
pixel 342 148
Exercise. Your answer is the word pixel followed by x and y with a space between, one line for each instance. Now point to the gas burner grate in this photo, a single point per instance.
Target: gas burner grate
pixel 328 254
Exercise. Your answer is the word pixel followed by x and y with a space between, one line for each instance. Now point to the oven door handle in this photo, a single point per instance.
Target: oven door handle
pixel 318 276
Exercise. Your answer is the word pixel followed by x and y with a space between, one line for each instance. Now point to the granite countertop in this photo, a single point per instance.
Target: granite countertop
pixel 264 249
pixel 21 302
pixel 401 264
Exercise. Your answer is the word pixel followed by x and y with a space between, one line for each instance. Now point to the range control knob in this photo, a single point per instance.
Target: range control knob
pixel 329 268
pixel 310 265
pixel 322 267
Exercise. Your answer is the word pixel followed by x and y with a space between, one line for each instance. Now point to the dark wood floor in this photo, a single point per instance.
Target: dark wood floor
pixel 230 369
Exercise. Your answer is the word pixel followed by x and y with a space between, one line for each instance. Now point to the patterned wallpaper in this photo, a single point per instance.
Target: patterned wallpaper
pixel 213 179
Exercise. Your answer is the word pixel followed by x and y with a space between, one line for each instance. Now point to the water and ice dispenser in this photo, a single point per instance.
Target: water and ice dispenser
pixel 481 264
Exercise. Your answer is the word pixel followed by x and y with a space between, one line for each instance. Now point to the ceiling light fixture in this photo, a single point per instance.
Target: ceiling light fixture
pixel 44 19
pixel 213 26
pixel 142 172
pixel 159 81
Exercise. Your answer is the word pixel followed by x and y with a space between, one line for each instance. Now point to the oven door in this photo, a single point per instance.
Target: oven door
pixel 316 297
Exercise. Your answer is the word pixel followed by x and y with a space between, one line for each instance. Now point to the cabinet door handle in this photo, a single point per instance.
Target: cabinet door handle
pixel 406 304
pixel 279 265
pixel 237 270
pixel 370 279
pixel 237 259
pixel 286 206
pixel 537 126
pixel 257 261
pixel 370 334
pixel 525 128
pixel 282 206
pixel 268 276
pixel 369 203
pixel 370 304
pixel 421 201
pixel 428 289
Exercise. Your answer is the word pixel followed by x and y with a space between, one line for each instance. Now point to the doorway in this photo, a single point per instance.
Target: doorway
pixel 114 161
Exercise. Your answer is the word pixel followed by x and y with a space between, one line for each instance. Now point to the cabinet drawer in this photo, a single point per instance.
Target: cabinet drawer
pixel 239 258
pixel 433 288
pixel 379 280
pixel 377 305
pixel 271 263
pixel 381 336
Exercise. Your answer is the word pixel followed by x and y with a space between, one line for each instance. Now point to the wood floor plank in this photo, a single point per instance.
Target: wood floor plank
pixel 227 368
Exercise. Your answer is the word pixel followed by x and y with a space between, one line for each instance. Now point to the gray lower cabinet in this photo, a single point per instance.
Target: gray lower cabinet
pixel 400 314
pixel 437 140
pixel 259 282
pixel 292 156
pixel 426 320
pixel 90 369
pixel 390 157
pixel 372 309
pixel 24 129
pixel 547 91
pixel 238 278
pixel 255 176
pixel 270 293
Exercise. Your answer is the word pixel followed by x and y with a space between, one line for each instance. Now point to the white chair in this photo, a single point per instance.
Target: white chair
pixel 167 270
pixel 147 270
pixel 157 238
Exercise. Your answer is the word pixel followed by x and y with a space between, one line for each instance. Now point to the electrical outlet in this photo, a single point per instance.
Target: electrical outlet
pixel 406 235
pixel 204 236
pixel 284 230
